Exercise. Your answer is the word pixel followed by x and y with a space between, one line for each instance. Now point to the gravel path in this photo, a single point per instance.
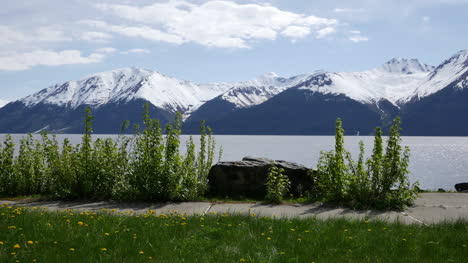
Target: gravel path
pixel 428 209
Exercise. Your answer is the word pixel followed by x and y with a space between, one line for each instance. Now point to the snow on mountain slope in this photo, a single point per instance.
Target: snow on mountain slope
pixel 170 93
pixel 406 66
pixel 393 81
pixel 3 103
pixel 454 69
pixel 94 90
pixel 124 85
pixel 253 92
pixel 397 81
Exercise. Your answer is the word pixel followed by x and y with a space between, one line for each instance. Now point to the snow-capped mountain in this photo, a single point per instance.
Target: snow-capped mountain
pixel 439 105
pixel 405 66
pixel 363 100
pixel 453 71
pixel 3 103
pixel 124 85
pixel 396 80
pixel 268 104
pixel 253 92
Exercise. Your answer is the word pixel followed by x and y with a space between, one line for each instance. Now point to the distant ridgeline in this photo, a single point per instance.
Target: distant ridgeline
pixel 431 101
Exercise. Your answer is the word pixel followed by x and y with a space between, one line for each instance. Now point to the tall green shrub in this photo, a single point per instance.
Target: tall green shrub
pixel 148 159
pixel 277 184
pixel 332 172
pixel 396 190
pixel 7 169
pixel 148 166
pixel 84 181
pixel 172 160
pixel 380 182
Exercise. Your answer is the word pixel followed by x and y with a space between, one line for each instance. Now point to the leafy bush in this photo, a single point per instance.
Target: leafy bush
pixel 381 182
pixel 277 184
pixel 148 166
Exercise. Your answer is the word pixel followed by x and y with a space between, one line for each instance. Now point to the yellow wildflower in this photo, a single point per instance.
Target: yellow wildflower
pixel 80 223
pixel 141 252
pixel 106 234
pixel 30 242
pixel 17 246
pixel 72 249
pixel 104 249
pixel 242 260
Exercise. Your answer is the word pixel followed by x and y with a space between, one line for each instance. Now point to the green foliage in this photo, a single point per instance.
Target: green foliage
pixel 277 184
pixel 332 168
pixel 148 166
pixel 229 238
pixel 380 182
pixel 8 183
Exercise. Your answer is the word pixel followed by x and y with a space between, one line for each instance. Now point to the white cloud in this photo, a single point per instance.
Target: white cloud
pixel 215 23
pixel 144 32
pixel 10 36
pixel 348 10
pixel 136 51
pixel 23 61
pixel 325 32
pixel 296 32
pixel 426 19
pixel 98 37
pixel 107 50
pixel 356 36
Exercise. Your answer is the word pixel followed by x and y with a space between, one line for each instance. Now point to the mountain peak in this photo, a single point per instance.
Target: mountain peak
pixel 405 66
pixel 122 71
pixel 268 75
pixel 461 57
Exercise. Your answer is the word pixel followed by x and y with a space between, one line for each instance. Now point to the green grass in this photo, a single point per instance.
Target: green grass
pixel 110 237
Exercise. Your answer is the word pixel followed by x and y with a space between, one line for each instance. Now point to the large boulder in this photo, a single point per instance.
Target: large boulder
pixel 462 187
pixel 247 178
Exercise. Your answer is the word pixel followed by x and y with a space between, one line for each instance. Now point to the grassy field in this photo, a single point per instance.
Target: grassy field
pixel 32 235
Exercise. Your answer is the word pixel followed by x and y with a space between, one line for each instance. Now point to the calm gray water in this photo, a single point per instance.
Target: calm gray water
pixel 436 162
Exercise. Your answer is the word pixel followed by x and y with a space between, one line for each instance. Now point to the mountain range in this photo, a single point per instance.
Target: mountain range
pixel 431 101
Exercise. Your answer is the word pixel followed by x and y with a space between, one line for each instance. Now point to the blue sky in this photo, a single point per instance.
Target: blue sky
pixel 44 42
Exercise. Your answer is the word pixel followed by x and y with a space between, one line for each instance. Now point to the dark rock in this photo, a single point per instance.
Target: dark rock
pixel 462 187
pixel 247 178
